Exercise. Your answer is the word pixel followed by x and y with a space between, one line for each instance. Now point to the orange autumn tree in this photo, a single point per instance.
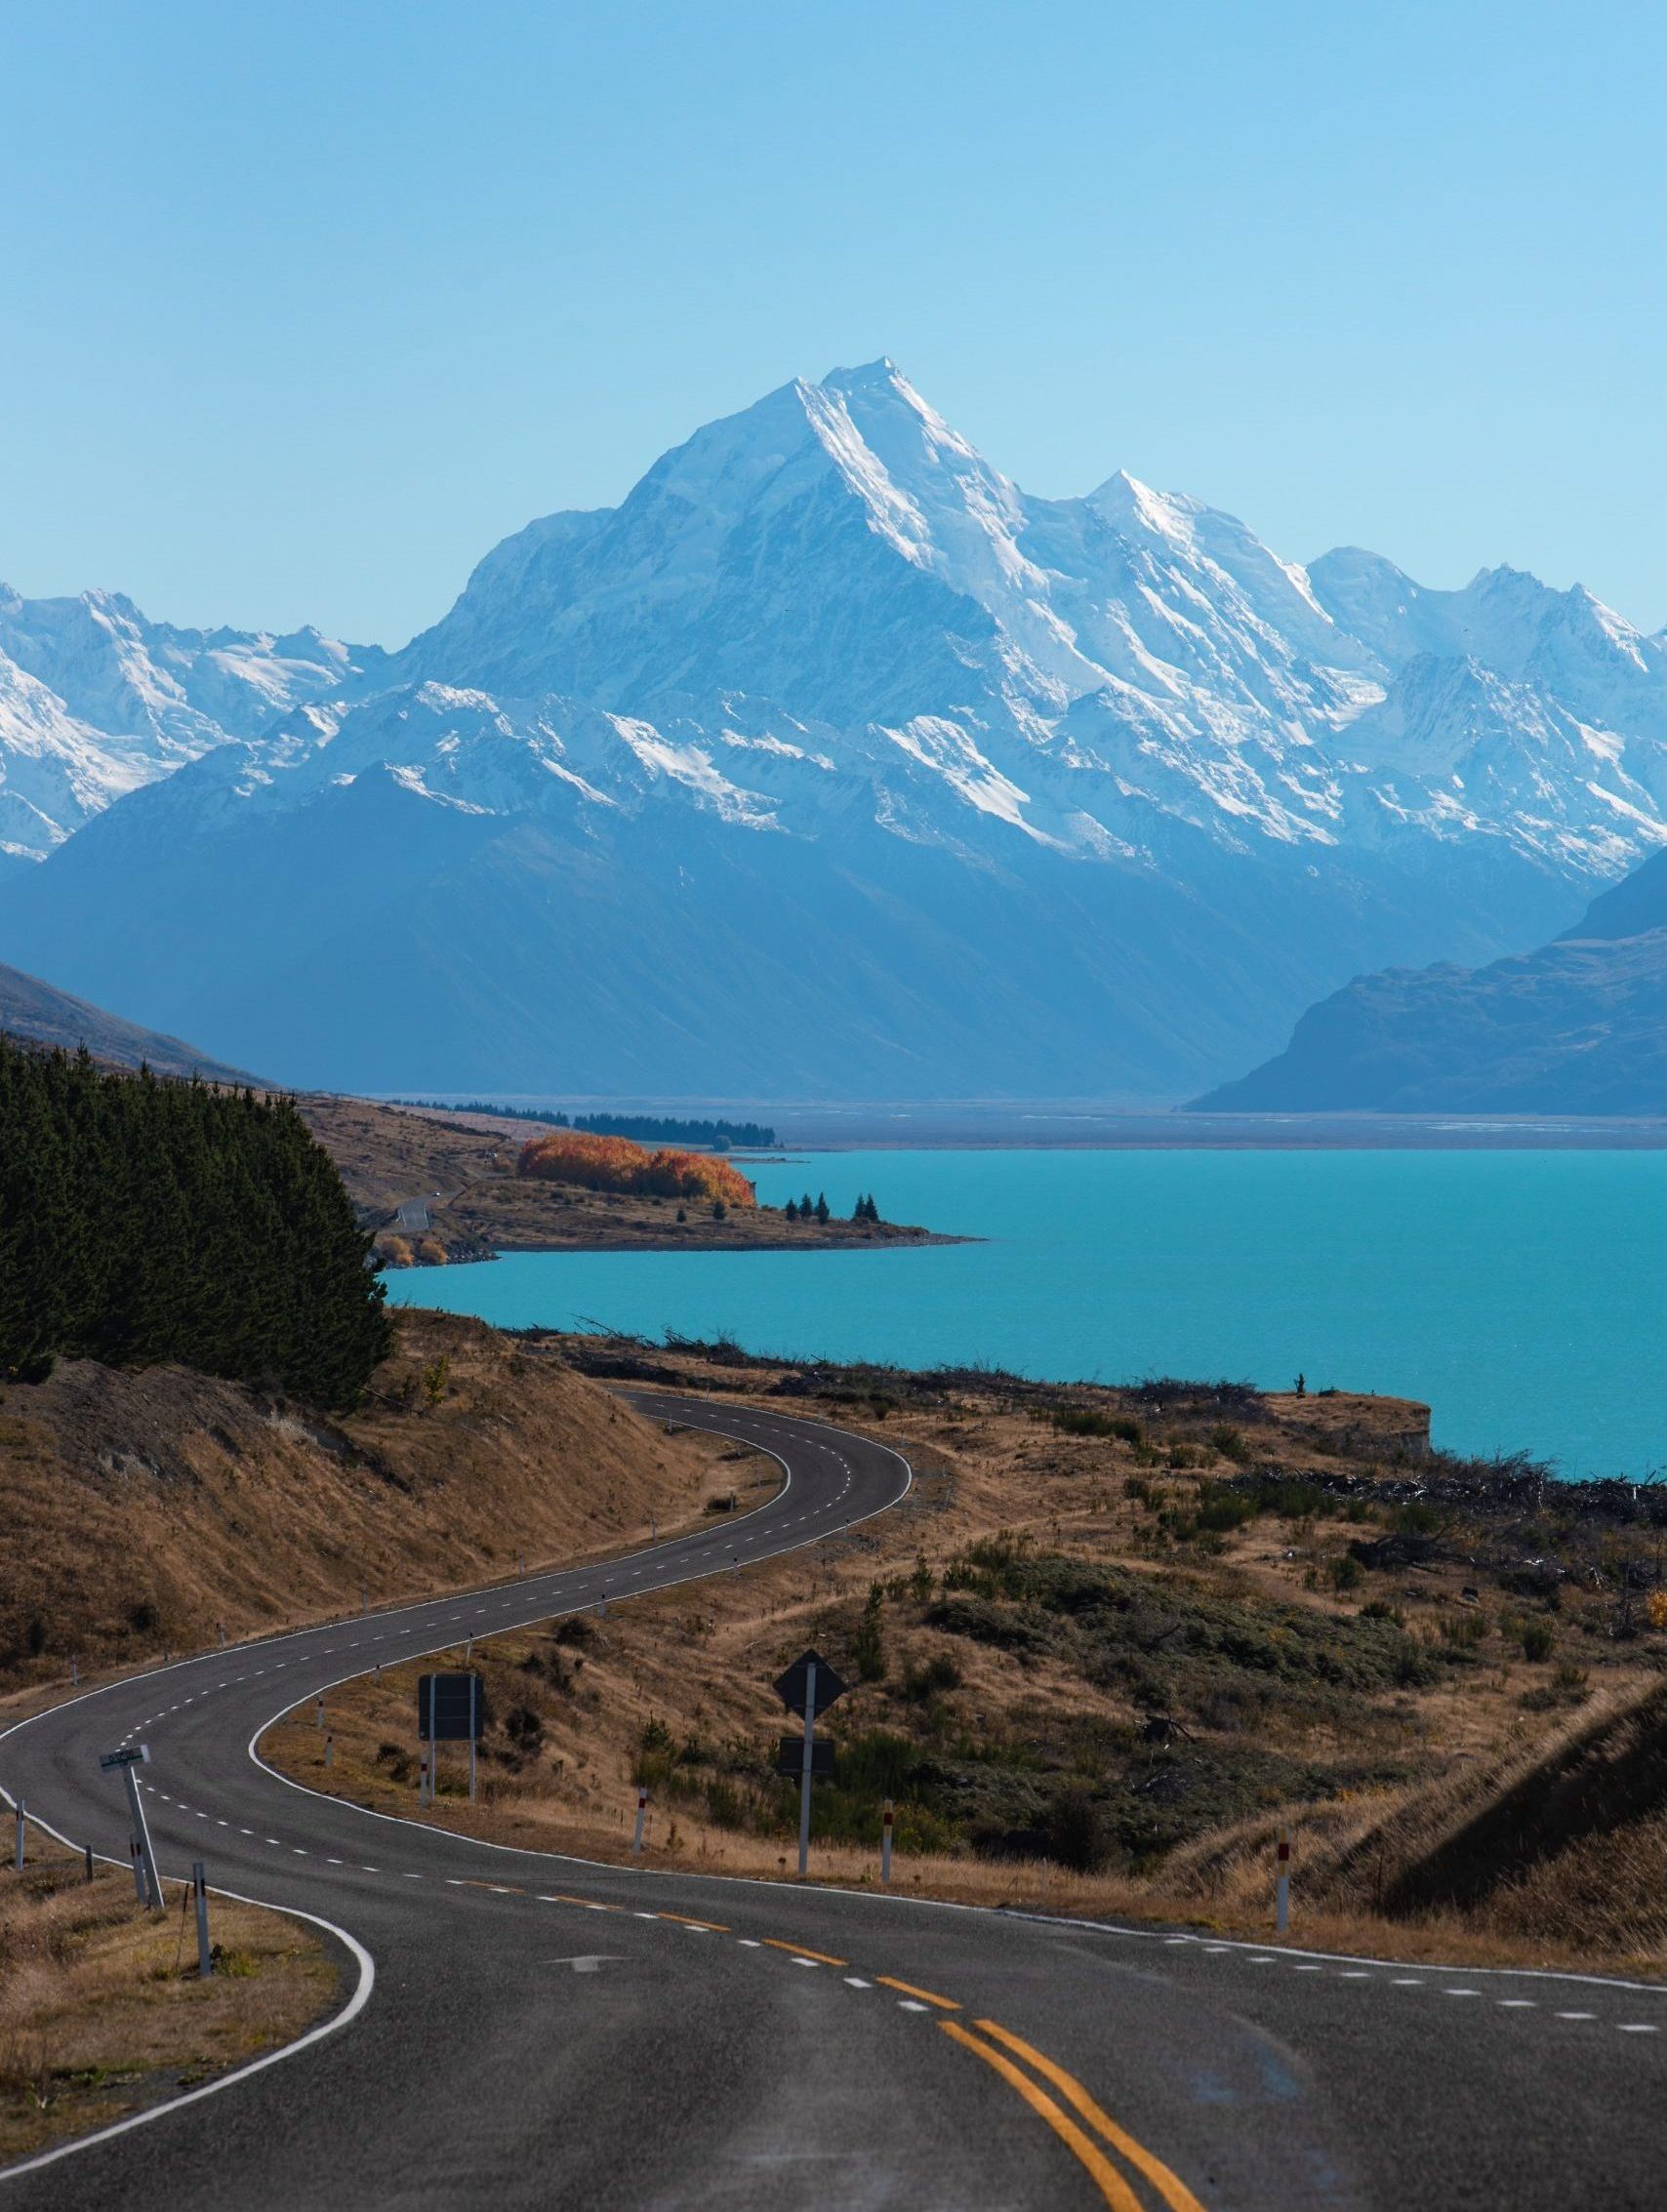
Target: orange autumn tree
pixel 615 1163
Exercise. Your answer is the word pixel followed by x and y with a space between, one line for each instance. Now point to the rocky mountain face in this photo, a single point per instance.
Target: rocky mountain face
pixel 96 701
pixel 829 763
pixel 1578 1028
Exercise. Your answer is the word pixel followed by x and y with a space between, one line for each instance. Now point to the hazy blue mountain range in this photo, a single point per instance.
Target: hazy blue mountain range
pixel 829 763
pixel 1578 1027
pixel 37 1013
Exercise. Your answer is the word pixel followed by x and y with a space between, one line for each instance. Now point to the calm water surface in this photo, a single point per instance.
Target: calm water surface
pixel 1524 1295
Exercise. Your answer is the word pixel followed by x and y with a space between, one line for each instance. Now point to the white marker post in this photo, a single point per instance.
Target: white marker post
pixel 804 1771
pixel 19 1835
pixel 330 1750
pixel 199 1887
pixel 320 1720
pixel 1282 1885
pixel 885 1846
pixel 144 1875
pixel 641 1818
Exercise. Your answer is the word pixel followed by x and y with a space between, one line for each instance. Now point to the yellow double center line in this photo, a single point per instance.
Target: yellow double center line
pixel 1109 2181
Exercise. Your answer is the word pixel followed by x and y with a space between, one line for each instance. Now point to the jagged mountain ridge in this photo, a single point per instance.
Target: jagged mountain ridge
pixel 96 701
pixel 1090 795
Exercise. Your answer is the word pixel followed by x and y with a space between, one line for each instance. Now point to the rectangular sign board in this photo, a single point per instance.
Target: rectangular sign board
pixel 458 1708
pixel 789 1756
pixel 131 1754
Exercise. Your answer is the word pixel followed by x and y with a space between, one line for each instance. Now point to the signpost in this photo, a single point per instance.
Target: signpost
pixel 144 1875
pixel 809 1686
pixel 450 1710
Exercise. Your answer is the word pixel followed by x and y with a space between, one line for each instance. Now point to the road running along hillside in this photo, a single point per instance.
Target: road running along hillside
pixel 537 2030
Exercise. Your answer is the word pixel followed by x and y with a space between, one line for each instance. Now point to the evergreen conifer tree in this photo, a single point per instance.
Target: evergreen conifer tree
pixel 144 1221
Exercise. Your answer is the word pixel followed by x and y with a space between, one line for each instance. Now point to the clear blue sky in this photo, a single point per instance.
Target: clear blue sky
pixel 308 305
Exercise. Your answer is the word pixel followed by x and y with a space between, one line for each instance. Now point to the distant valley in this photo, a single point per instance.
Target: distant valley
pixel 830 765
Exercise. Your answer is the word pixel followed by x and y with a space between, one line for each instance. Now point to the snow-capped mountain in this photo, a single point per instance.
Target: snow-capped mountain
pixel 829 761
pixel 96 701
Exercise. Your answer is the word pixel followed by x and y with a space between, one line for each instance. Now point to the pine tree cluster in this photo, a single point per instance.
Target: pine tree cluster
pixel 144 1221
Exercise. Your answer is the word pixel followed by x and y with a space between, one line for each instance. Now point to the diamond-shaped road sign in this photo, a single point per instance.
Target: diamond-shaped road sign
pixel 792 1686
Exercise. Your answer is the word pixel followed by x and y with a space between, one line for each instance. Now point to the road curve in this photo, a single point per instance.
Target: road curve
pixel 545 2031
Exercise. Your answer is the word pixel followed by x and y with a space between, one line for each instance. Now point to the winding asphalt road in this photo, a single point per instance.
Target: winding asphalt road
pixel 523 2030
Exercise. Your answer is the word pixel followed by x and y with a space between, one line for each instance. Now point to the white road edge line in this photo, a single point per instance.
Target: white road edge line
pixel 349 2012
pixel 834 1889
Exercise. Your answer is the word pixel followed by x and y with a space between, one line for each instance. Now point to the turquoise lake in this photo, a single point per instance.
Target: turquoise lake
pixel 1522 1295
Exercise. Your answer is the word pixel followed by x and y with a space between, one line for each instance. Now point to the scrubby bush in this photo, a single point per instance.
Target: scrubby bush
pixel 615 1163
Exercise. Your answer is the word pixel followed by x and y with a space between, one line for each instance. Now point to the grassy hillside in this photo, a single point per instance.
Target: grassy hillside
pixel 146 1510
pixel 1110 1644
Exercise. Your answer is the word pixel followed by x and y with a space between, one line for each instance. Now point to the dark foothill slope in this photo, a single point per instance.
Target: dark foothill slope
pixel 1575 1028
pixel 38 1014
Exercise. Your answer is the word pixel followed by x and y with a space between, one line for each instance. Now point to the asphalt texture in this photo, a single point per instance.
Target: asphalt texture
pixel 540 2031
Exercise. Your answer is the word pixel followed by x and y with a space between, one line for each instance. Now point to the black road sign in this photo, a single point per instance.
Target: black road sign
pixel 458 1708
pixel 789 1756
pixel 790 1686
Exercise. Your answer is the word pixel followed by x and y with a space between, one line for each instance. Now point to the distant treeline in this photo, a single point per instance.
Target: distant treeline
pixel 145 1219
pixel 642 1128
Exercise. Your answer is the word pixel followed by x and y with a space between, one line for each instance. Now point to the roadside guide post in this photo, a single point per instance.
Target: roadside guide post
pixel 144 1875
pixel 199 1889
pixel 1283 1886
pixel 19 1835
pixel 885 1846
pixel 809 1686
pixel 804 1770
pixel 641 1817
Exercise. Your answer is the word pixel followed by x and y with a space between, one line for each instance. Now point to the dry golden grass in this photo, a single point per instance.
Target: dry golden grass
pixel 699 1661
pixel 102 2011
pixel 147 1510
